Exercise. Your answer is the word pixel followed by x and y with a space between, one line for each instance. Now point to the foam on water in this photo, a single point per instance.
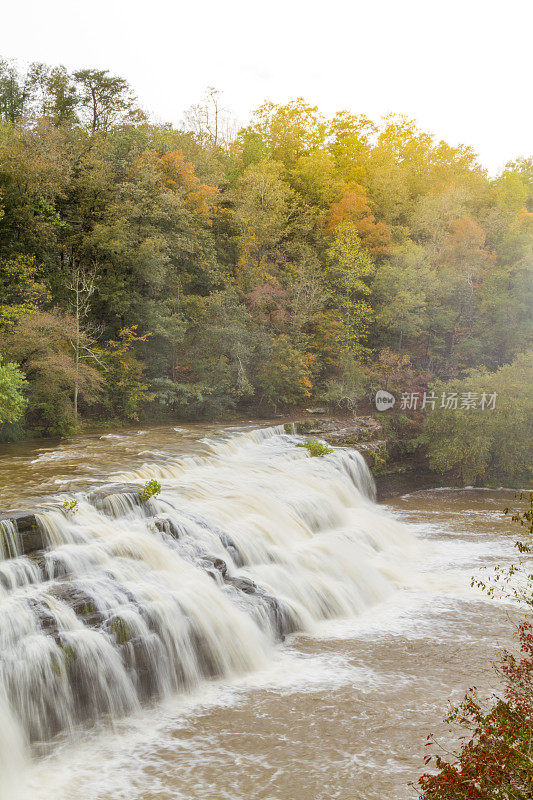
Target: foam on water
pixel 134 602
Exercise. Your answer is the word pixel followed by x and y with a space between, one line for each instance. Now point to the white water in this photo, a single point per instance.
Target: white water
pixel 132 603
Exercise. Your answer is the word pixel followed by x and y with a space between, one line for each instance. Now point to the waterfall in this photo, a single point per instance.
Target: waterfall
pixel 132 601
pixel 10 545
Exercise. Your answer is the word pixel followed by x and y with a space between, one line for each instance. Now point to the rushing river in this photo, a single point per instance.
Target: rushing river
pixel 260 630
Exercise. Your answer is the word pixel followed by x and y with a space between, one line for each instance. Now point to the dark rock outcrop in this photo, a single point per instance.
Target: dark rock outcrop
pixel 30 535
pixel 280 617
pixel 339 432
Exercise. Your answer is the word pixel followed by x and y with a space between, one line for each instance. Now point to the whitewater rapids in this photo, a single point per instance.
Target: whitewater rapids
pixel 134 602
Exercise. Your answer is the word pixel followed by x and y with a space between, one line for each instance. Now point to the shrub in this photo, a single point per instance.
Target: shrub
pixel 495 760
pixel 316 448
pixel 70 507
pixel 150 489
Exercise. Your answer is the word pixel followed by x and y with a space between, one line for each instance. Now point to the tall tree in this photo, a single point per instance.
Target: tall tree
pixel 349 268
pixel 104 100
pixel 13 93
pixel 52 93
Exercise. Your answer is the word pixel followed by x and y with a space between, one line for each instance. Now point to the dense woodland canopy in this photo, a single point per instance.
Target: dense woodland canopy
pixel 153 272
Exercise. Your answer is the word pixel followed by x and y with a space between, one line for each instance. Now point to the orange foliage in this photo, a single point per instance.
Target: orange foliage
pixel 464 247
pixel 524 220
pixel 173 172
pixel 354 206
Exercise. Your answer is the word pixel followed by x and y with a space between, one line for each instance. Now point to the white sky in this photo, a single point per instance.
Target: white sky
pixel 462 69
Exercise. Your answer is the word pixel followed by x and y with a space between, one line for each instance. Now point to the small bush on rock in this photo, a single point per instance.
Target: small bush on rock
pixel 316 448
pixel 150 489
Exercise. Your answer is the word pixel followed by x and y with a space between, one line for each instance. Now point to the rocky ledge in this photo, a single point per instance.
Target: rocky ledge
pixel 393 474
pixel 26 529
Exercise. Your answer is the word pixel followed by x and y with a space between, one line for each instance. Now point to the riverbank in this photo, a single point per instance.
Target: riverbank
pixel 397 468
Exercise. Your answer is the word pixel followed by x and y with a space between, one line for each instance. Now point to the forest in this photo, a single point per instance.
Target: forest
pixel 154 273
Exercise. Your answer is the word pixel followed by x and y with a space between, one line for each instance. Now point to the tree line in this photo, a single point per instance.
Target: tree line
pixel 149 271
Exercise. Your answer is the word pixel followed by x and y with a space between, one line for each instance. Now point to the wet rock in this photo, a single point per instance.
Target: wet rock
pixel 138 658
pixel 244 585
pixel 31 537
pixel 280 617
pixel 341 432
pixel 23 520
pixel 378 445
pixel 32 540
pixel 226 540
pixel 80 601
pixel 112 488
pixel 206 660
pixel 215 567
pixel 47 621
pixel 229 545
pixel 102 498
pixel 167 526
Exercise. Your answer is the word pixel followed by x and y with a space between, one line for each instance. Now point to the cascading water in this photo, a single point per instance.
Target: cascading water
pixel 133 601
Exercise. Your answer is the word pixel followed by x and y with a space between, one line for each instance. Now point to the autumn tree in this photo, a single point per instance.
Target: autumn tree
pixel 354 207
pixel 345 245
pixel 261 213
pixel 348 271
pixel 493 757
pixel 291 130
pixel 316 178
pixel 40 343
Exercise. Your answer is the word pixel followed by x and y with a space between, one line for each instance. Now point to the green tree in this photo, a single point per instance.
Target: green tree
pixel 348 270
pixel 403 288
pixel 23 288
pixel 126 389
pixel 12 400
pixel 492 444
pixel 41 343
pixel 104 100
pixel 52 93
pixel 284 379
pixel 12 93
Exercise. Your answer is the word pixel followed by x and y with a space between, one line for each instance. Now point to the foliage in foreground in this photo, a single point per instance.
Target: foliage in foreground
pixel 70 507
pixel 495 761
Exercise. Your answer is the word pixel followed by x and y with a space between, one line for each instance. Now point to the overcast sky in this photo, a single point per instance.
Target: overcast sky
pixel 462 69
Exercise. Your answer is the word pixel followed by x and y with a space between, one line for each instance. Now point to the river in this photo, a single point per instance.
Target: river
pixel 388 628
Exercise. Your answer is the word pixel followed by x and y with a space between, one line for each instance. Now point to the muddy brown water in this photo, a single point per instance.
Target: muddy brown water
pixel 340 713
